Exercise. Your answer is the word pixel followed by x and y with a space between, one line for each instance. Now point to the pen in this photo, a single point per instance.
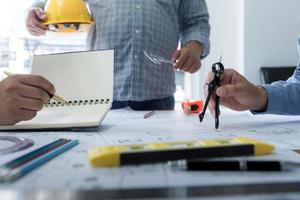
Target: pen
pixel 149 114
pixel 54 97
pixel 235 165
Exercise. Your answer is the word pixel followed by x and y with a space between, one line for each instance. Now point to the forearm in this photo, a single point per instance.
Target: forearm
pixel 194 24
pixel 283 98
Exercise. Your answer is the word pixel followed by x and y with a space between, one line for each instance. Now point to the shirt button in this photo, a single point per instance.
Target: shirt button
pixel 137 6
pixel 137 31
pixel 136 56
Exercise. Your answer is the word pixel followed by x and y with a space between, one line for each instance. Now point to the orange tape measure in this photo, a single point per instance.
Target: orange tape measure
pixel 192 106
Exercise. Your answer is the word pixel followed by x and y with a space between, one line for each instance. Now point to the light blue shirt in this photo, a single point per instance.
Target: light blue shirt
pixel 284 96
pixel 132 26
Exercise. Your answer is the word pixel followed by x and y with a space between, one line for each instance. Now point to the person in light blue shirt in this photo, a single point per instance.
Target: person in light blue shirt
pixel 237 93
pixel 132 26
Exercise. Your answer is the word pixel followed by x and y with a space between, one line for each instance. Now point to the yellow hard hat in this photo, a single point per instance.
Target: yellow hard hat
pixel 67 15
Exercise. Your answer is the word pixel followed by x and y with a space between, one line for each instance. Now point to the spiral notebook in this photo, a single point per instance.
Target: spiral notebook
pixel 85 79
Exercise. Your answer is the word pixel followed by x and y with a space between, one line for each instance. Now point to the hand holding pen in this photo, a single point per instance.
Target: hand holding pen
pixel 52 96
pixel 22 96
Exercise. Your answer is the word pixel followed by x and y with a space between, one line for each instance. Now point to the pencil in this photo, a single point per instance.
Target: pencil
pixel 54 97
pixel 59 99
pixel 11 175
pixel 149 114
pixel 34 154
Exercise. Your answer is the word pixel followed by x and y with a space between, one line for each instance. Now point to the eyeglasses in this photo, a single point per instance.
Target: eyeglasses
pixel 159 60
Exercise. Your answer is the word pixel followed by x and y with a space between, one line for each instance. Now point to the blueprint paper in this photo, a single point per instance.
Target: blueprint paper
pixel 71 170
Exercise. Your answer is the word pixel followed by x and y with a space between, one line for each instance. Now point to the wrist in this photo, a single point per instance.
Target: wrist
pixel 196 47
pixel 262 100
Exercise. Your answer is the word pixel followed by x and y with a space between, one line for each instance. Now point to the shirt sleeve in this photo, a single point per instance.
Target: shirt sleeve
pixel 283 96
pixel 194 23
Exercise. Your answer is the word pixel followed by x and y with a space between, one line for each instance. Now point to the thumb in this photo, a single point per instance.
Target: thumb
pixel 175 55
pixel 227 91
pixel 40 13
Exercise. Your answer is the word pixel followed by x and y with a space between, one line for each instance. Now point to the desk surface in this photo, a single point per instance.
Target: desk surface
pixel 71 171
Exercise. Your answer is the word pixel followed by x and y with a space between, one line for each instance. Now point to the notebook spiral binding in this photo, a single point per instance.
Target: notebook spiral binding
pixel 78 102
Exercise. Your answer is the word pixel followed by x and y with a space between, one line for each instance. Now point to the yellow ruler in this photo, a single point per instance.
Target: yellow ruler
pixel 112 156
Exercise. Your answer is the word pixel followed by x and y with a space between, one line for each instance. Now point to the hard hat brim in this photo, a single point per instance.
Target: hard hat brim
pixel 68 22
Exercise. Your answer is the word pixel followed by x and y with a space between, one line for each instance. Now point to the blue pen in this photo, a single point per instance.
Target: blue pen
pixel 8 175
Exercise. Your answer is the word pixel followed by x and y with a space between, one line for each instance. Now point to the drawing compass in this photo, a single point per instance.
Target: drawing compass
pixel 217 69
